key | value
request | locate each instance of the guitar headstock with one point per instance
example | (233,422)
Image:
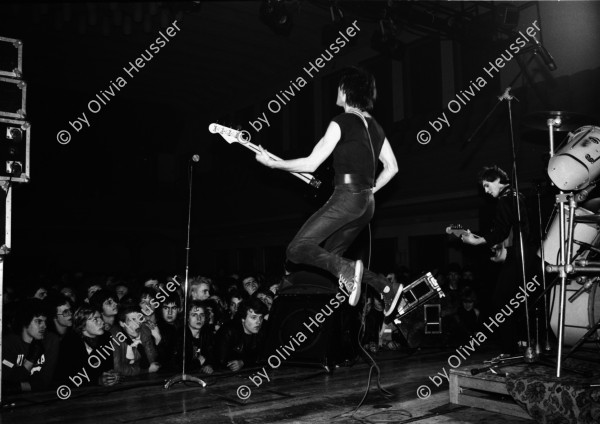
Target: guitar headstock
(229,134)
(456,230)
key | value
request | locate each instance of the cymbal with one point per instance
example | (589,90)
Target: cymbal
(569,121)
(588,219)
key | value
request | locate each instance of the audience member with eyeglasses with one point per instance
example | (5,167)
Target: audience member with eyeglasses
(60,314)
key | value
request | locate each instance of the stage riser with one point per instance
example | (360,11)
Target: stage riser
(486,391)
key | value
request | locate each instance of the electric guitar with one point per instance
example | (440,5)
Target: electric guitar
(243,137)
(498,250)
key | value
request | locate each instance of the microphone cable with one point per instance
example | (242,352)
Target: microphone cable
(374,366)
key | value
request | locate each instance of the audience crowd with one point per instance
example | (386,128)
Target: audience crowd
(100,332)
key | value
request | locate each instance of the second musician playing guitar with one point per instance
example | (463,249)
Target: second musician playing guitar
(496,183)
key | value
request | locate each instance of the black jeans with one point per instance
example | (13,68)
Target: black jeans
(335,226)
(510,279)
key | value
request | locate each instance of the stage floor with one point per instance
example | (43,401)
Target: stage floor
(292,395)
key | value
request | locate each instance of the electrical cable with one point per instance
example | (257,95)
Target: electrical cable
(385,393)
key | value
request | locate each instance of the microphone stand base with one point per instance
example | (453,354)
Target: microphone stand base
(183,378)
(530,355)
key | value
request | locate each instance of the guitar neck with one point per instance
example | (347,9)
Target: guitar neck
(241,139)
(304,176)
(458,232)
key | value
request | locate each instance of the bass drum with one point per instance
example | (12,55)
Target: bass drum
(586,233)
(580,315)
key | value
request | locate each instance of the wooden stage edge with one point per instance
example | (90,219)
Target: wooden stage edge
(291,394)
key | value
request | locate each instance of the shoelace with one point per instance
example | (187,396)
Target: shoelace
(345,282)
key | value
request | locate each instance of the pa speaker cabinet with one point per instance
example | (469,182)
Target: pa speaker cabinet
(11,57)
(15,144)
(305,329)
(13,93)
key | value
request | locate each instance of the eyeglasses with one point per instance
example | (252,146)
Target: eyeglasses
(66,313)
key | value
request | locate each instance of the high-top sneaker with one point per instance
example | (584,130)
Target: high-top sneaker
(350,277)
(391,297)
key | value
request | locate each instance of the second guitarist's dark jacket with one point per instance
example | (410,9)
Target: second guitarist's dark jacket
(505,222)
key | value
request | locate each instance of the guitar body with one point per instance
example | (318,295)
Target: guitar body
(498,250)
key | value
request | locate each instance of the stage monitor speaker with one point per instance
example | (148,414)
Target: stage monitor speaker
(423,326)
(298,335)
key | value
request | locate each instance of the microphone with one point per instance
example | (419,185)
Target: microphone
(195,158)
(506,95)
(546,57)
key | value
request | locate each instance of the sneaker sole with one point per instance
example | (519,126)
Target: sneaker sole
(358,274)
(395,302)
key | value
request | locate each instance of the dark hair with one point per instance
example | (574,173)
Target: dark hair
(125,309)
(35,287)
(359,87)
(53,301)
(197,304)
(80,317)
(492,173)
(253,303)
(172,298)
(97,300)
(216,308)
(240,295)
(264,291)
(28,310)
(148,291)
(92,282)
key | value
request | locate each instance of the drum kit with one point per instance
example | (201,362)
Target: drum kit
(573,234)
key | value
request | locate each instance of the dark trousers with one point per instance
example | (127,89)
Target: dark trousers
(330,231)
(509,281)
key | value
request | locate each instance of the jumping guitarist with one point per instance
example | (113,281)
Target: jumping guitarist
(495,182)
(356,141)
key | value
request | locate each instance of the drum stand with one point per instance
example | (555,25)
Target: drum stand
(564,266)
(547,347)
(586,338)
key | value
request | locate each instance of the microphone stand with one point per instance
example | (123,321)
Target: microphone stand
(530,354)
(183,377)
(522,71)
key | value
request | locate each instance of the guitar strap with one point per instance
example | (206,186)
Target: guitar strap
(509,240)
(360,115)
